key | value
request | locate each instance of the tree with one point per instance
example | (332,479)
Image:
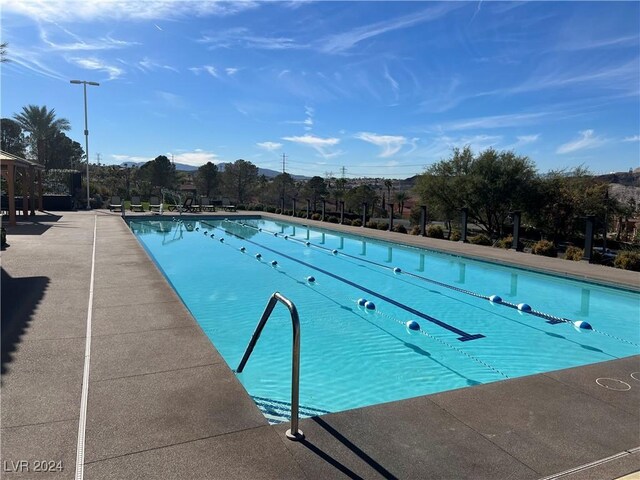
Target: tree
(389,184)
(62,152)
(3,53)
(564,199)
(238,178)
(160,172)
(401,198)
(355,197)
(13,140)
(282,186)
(315,189)
(207,178)
(490,184)
(41,124)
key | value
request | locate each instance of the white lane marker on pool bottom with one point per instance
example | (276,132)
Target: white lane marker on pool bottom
(87,357)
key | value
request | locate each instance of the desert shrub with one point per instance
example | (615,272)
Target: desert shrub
(356,223)
(316,216)
(270,209)
(505,242)
(383,226)
(372,224)
(435,231)
(333,219)
(544,248)
(415,230)
(400,229)
(302,214)
(627,260)
(573,253)
(480,239)
(346,222)
(455,236)
(278,210)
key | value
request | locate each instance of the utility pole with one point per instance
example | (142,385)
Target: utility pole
(284,160)
(98,158)
(343,171)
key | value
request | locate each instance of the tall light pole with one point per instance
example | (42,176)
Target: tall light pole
(86,129)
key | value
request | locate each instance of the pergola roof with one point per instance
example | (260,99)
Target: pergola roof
(7,158)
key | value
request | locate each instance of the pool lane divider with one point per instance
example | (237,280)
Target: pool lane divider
(551,319)
(462,335)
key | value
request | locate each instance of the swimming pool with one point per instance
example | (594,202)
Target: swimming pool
(353,356)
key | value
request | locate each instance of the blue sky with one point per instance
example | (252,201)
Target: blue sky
(380,88)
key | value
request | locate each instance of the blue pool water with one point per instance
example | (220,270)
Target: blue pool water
(352,356)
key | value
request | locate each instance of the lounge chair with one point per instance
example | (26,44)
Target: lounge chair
(187,206)
(136,204)
(227,206)
(154,204)
(115,203)
(206,205)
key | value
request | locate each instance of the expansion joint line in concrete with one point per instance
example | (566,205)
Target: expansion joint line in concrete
(82,423)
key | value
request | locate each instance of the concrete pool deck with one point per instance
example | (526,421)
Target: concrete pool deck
(162,403)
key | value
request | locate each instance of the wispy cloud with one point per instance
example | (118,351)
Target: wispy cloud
(390,144)
(92,63)
(633,138)
(269,146)
(73,10)
(242,37)
(206,68)
(32,61)
(521,141)
(171,99)
(392,81)
(103,43)
(147,65)
(321,145)
(307,122)
(230,71)
(587,140)
(341,42)
(496,121)
(586,42)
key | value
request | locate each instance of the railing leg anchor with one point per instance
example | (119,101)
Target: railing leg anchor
(294,436)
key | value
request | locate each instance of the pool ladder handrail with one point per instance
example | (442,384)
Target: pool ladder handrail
(294,433)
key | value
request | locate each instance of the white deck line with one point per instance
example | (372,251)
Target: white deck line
(82,423)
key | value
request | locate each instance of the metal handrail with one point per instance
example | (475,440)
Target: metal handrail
(294,433)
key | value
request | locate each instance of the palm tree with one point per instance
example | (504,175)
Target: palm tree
(3,52)
(41,124)
(401,197)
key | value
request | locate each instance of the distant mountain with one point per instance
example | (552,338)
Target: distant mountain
(182,167)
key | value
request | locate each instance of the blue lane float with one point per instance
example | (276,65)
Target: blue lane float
(581,325)
(362,301)
(495,299)
(222,240)
(197,229)
(311,279)
(370,305)
(274,263)
(286,237)
(397,270)
(335,252)
(524,307)
(258,256)
(413,325)
(213,235)
(243,249)
(307,243)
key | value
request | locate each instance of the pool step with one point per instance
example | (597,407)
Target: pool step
(277,411)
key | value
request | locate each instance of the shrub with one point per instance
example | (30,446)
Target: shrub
(241,207)
(628,260)
(333,219)
(455,236)
(383,226)
(356,223)
(480,239)
(372,224)
(316,216)
(544,248)
(278,210)
(573,253)
(270,209)
(506,242)
(415,230)
(400,229)
(302,214)
(346,222)
(435,231)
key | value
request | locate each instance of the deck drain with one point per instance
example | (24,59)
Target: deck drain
(635,376)
(613,384)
